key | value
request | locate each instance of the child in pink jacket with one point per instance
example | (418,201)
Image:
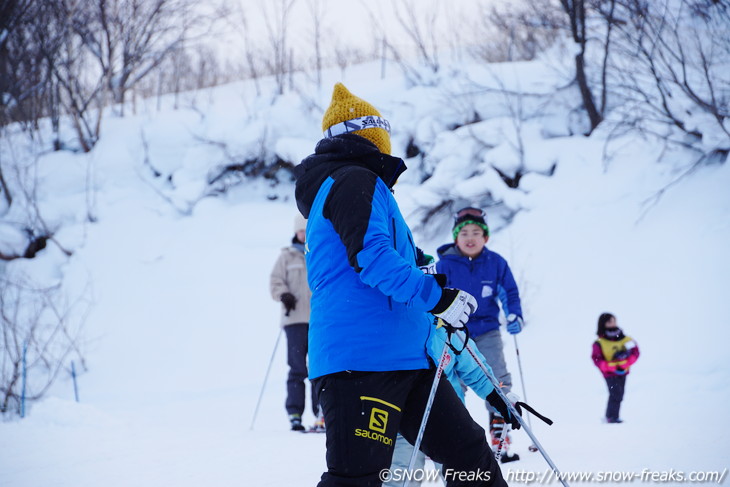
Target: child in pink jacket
(613,353)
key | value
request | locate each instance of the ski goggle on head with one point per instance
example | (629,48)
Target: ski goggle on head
(469,211)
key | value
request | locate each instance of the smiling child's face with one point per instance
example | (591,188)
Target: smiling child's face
(471,240)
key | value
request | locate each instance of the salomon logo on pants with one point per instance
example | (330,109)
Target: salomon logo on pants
(378,420)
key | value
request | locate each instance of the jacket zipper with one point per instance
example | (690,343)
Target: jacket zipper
(395,246)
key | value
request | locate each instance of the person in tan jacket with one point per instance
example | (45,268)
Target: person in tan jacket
(289,285)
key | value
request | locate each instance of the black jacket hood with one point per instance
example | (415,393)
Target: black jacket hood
(337,152)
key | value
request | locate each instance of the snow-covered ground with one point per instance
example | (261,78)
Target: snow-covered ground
(183,327)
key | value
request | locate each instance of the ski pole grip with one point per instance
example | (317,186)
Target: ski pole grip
(527,407)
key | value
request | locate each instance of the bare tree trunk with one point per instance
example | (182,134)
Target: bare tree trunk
(316,8)
(277,25)
(575,9)
(420,26)
(585,92)
(4,187)
(160,79)
(607,49)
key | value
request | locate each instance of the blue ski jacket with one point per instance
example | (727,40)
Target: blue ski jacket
(462,367)
(488,278)
(370,302)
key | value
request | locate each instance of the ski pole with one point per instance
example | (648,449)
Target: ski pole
(266,378)
(502,439)
(532,447)
(511,407)
(443,360)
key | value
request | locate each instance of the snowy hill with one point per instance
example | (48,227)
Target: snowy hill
(182,326)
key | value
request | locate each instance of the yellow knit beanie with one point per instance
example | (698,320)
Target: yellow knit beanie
(350,114)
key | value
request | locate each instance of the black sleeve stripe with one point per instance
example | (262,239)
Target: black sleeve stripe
(349,205)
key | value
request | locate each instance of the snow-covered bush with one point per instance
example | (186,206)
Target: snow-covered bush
(40,332)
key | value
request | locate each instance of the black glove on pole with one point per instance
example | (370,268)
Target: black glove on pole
(496,401)
(289,302)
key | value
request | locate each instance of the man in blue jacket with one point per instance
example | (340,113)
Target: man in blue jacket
(469,265)
(372,311)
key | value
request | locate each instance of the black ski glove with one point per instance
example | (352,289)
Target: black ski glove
(289,302)
(496,401)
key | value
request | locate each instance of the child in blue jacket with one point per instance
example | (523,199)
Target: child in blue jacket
(469,265)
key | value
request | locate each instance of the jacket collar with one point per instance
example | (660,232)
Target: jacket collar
(451,251)
(337,152)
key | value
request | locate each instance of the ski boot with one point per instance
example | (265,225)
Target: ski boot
(318,425)
(496,427)
(296,422)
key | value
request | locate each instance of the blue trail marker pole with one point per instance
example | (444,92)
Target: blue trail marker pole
(73,376)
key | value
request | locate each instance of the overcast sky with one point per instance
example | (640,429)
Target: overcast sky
(350,22)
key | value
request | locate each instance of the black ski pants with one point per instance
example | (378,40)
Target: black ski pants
(616,385)
(364,411)
(296,357)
